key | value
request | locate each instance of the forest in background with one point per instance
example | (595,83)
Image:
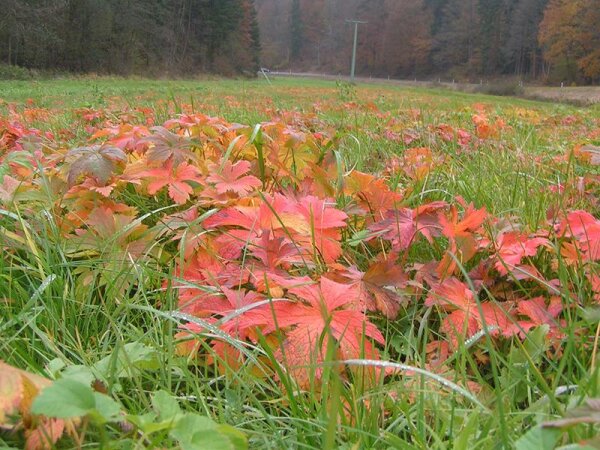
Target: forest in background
(148,37)
(463,39)
(547,40)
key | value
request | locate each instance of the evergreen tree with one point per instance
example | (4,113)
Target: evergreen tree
(494,27)
(457,43)
(521,50)
(403,38)
(131,36)
(296,28)
(255,45)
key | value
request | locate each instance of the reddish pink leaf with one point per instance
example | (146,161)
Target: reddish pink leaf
(232,178)
(513,246)
(176,180)
(323,317)
(375,287)
(450,295)
(402,226)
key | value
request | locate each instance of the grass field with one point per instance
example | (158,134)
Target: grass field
(371,267)
(574,95)
(585,95)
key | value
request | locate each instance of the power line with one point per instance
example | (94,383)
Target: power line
(356,24)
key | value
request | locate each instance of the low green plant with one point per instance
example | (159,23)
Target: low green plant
(501,88)
(10,72)
(166,423)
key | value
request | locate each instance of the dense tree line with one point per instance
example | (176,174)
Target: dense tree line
(131,36)
(558,39)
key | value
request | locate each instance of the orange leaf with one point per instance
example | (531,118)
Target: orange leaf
(513,247)
(176,180)
(323,316)
(13,391)
(375,287)
(232,178)
(18,388)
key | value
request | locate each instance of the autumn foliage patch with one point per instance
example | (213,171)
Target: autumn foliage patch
(266,240)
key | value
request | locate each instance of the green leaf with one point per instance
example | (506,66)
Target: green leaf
(592,315)
(142,421)
(106,407)
(538,438)
(359,237)
(128,360)
(67,398)
(165,405)
(199,433)
(166,416)
(148,423)
(468,431)
(537,342)
(55,366)
(194,432)
(79,373)
(237,438)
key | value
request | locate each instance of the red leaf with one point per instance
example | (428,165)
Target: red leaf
(585,229)
(471,221)
(322,317)
(274,252)
(463,324)
(580,224)
(375,287)
(373,194)
(231,178)
(512,247)
(537,311)
(8,188)
(462,247)
(125,136)
(176,180)
(497,319)
(45,435)
(311,223)
(459,325)
(168,147)
(450,295)
(402,226)
(242,326)
(594,280)
(99,162)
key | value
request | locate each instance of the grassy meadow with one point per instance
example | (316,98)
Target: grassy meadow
(350,267)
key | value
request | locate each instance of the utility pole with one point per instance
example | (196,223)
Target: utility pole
(356,24)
